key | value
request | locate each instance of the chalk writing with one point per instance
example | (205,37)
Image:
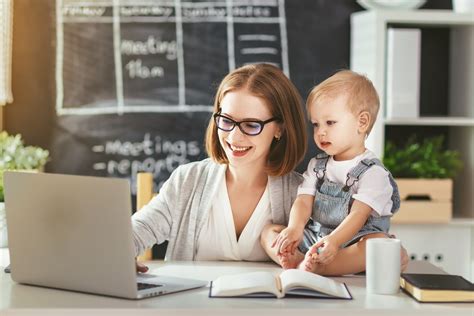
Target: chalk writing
(156,155)
(84,11)
(146,10)
(160,32)
(150,46)
(136,69)
(251,11)
(204,12)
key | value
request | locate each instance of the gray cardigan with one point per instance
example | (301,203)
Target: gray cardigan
(181,209)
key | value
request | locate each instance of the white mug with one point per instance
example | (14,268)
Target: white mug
(383,265)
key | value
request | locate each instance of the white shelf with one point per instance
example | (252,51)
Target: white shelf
(369,51)
(432,121)
(368,56)
(462,221)
(456,221)
(420,17)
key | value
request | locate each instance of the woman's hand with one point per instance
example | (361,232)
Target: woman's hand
(287,240)
(141,268)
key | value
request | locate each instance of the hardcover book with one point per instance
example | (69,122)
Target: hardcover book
(437,287)
(290,283)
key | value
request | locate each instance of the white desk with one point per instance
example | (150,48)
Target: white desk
(17,299)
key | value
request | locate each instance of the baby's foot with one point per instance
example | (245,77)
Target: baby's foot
(309,262)
(289,261)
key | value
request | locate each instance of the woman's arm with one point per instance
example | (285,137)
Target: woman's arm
(152,223)
(289,238)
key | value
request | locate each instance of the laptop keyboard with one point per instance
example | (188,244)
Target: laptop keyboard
(144,286)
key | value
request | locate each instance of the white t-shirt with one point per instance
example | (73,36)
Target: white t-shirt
(373,187)
(218,241)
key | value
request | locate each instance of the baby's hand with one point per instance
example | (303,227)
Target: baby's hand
(287,241)
(326,250)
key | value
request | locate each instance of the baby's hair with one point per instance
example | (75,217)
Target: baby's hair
(361,93)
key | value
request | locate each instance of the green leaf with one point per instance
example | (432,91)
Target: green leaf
(14,155)
(427,159)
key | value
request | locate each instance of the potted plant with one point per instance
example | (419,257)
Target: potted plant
(14,155)
(424,172)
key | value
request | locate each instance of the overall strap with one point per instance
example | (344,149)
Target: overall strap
(320,168)
(355,173)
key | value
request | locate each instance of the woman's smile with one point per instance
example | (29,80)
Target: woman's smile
(238,151)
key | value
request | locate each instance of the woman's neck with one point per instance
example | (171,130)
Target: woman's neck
(250,177)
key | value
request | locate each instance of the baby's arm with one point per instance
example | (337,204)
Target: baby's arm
(358,215)
(289,238)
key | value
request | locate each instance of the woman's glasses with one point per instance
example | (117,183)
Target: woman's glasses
(248,127)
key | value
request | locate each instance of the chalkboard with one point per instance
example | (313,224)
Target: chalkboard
(113,87)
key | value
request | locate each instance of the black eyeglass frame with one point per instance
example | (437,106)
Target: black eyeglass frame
(235,123)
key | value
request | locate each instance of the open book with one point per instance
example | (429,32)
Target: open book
(289,283)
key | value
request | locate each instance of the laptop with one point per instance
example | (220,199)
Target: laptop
(75,233)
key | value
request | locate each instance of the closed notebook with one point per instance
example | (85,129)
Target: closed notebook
(291,282)
(437,287)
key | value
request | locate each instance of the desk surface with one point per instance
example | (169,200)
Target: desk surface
(18,299)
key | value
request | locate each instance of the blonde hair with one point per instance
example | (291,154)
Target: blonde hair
(360,92)
(283,100)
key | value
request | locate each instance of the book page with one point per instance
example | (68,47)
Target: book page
(297,279)
(245,283)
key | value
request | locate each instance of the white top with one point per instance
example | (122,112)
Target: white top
(373,187)
(182,208)
(218,241)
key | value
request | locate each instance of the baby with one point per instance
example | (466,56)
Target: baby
(347,195)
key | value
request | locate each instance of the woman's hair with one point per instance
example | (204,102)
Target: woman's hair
(283,100)
(360,92)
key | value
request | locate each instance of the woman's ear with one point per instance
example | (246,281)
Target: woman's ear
(280,131)
(364,121)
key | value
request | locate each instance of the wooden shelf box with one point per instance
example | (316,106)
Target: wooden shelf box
(425,201)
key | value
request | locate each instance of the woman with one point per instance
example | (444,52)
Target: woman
(215,209)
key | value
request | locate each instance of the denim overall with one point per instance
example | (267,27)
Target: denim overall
(333,201)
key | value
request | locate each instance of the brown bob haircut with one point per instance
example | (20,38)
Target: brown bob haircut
(283,100)
(360,92)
